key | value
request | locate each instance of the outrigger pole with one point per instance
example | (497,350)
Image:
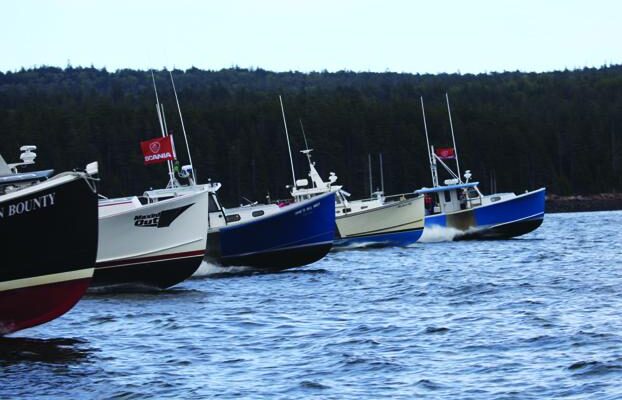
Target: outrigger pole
(183,128)
(427,141)
(371,187)
(451,125)
(160,111)
(381,173)
(302,128)
(291,161)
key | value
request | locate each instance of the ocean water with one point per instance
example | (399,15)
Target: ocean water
(530,318)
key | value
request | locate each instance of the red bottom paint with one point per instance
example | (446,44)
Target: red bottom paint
(35,305)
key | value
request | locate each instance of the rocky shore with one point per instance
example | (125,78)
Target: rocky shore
(593,202)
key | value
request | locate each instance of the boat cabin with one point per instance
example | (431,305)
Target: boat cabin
(451,197)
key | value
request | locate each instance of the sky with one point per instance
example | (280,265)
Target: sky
(432,36)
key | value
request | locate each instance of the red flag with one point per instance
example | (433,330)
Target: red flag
(445,153)
(158,150)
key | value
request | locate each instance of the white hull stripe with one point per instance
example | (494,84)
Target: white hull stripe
(131,262)
(47,279)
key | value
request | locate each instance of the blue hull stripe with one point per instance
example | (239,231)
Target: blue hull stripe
(387,239)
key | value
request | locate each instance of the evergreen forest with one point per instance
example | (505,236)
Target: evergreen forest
(515,131)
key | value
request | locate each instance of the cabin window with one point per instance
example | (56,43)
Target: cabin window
(473,193)
(495,198)
(233,218)
(447,196)
(258,213)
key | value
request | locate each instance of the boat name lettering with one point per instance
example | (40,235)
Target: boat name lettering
(147,220)
(159,156)
(26,206)
(307,209)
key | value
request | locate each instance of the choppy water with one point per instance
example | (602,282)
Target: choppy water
(530,318)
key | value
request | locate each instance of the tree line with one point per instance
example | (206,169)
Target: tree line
(514,131)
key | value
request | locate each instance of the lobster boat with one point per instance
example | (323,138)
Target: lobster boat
(48,226)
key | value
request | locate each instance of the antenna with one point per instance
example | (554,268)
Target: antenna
(183,128)
(303,134)
(381,173)
(289,148)
(427,141)
(371,187)
(160,111)
(451,125)
(155,89)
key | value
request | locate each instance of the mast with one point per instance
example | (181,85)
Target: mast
(160,112)
(451,125)
(303,134)
(371,187)
(432,161)
(381,173)
(183,128)
(289,148)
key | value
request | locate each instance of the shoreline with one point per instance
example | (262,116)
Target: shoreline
(578,203)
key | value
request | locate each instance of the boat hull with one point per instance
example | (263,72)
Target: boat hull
(44,276)
(299,234)
(397,223)
(156,245)
(34,305)
(505,219)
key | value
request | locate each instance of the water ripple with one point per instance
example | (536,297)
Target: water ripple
(531,318)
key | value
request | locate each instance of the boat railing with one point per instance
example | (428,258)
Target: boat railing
(474,202)
(401,196)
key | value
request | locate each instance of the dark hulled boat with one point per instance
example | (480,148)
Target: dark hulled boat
(48,231)
(292,236)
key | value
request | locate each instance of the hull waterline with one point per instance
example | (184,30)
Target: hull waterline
(381,240)
(30,306)
(148,272)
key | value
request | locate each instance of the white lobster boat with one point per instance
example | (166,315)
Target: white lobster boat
(378,221)
(156,240)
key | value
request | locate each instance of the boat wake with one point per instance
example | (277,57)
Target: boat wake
(211,269)
(123,288)
(437,233)
(359,246)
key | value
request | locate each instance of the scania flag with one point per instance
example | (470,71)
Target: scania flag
(158,150)
(445,153)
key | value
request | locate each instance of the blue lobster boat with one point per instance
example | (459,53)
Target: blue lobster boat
(476,216)
(272,238)
(460,206)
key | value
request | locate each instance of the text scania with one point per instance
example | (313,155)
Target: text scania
(29,205)
(160,156)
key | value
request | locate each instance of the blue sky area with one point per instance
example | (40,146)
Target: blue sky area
(391,35)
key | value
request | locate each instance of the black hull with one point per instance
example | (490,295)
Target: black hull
(160,274)
(506,231)
(270,260)
(48,243)
(58,234)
